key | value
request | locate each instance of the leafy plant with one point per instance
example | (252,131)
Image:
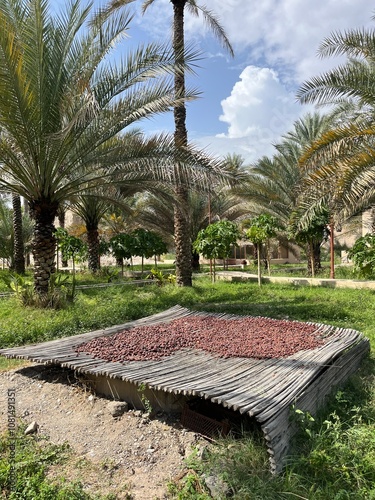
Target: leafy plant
(216,240)
(262,229)
(148,244)
(23,288)
(122,247)
(363,255)
(161,278)
(108,273)
(56,297)
(145,401)
(31,463)
(71,248)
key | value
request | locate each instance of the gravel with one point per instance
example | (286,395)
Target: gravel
(252,337)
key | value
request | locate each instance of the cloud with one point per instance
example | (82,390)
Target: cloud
(259,110)
(287,33)
(275,33)
(276,43)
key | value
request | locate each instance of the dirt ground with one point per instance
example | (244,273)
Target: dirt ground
(132,456)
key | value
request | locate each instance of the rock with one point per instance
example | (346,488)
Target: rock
(217,487)
(117,408)
(31,428)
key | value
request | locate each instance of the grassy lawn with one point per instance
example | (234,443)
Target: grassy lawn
(334,455)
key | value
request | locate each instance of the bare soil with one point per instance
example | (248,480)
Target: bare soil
(132,456)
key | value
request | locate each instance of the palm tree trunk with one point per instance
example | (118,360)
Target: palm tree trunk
(314,258)
(61,217)
(93,248)
(18,246)
(372,220)
(43,244)
(26,211)
(195,261)
(181,210)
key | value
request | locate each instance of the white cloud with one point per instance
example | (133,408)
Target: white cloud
(276,33)
(259,109)
(288,32)
(276,44)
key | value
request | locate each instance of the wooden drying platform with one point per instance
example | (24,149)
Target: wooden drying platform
(264,389)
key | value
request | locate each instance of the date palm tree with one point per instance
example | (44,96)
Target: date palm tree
(19,250)
(63,101)
(183,243)
(342,162)
(94,204)
(155,212)
(274,183)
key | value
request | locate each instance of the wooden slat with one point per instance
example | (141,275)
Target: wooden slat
(264,388)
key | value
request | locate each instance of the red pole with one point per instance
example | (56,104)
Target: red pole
(209,221)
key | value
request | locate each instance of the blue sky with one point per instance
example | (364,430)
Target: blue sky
(248,101)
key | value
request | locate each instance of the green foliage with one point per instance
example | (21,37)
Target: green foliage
(161,278)
(122,246)
(57,297)
(316,230)
(363,256)
(71,247)
(104,247)
(31,462)
(335,451)
(333,457)
(262,228)
(190,486)
(108,273)
(23,288)
(145,401)
(216,240)
(147,243)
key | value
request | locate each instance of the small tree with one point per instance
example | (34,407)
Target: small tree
(122,247)
(71,248)
(312,236)
(262,229)
(216,240)
(363,255)
(147,244)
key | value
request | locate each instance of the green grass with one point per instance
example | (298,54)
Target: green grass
(333,456)
(24,476)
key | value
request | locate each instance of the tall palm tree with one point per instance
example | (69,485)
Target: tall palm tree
(6,232)
(342,162)
(155,212)
(93,205)
(7,238)
(274,183)
(19,249)
(182,216)
(62,103)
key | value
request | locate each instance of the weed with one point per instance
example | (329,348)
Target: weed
(145,401)
(161,278)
